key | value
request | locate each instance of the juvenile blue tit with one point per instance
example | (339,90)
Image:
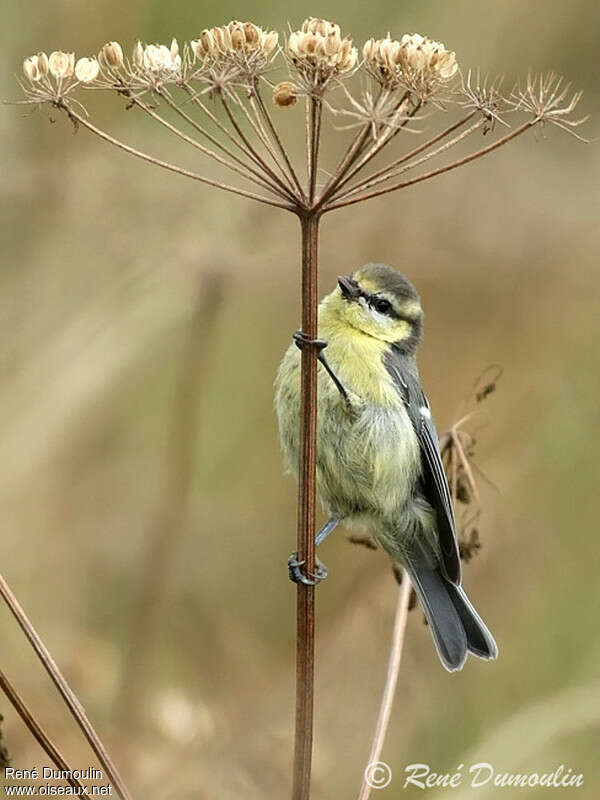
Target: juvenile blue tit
(378,457)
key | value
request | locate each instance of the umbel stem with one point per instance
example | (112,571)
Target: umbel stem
(305,640)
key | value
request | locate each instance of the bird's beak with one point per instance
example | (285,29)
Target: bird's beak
(350,288)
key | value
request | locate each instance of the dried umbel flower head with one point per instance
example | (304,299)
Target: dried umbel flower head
(318,53)
(550,101)
(241,44)
(36,67)
(111,56)
(415,62)
(87,69)
(285,94)
(51,78)
(61,65)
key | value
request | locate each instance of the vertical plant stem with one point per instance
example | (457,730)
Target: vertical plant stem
(38,732)
(65,691)
(393,670)
(305,635)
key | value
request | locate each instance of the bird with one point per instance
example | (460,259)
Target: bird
(378,460)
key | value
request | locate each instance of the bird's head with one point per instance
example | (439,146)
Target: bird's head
(380,302)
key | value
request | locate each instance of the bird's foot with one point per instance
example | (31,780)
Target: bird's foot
(312,579)
(303,340)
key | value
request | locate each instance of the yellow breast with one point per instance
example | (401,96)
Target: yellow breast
(357,360)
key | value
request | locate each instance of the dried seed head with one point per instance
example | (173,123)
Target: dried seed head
(61,65)
(36,67)
(111,56)
(158,58)
(285,94)
(415,62)
(550,101)
(235,37)
(318,53)
(87,69)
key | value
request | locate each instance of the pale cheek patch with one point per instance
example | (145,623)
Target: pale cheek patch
(402,330)
(412,309)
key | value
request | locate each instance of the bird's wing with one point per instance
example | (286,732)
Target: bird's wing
(435,484)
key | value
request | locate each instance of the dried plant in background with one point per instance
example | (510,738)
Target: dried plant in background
(4,756)
(162,545)
(38,734)
(458,450)
(68,696)
(211,94)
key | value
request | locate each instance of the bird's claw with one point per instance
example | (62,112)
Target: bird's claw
(303,340)
(312,579)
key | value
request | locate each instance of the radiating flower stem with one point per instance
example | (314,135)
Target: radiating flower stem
(392,173)
(258,178)
(280,146)
(77,118)
(252,152)
(446,168)
(197,127)
(315,116)
(377,146)
(255,120)
(366,182)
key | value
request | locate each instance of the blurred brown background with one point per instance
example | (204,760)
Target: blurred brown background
(105,263)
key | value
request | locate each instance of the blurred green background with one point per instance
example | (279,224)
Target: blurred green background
(136,408)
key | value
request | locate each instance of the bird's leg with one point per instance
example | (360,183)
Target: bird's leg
(321,572)
(302,341)
(329,526)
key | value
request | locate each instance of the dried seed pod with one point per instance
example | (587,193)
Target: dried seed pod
(87,69)
(285,94)
(111,56)
(138,54)
(61,65)
(36,67)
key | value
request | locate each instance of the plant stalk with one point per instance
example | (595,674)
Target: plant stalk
(393,670)
(305,632)
(69,698)
(38,733)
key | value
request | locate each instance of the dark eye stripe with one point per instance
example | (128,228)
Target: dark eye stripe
(383,306)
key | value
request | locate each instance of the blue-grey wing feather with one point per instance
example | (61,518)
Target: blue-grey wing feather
(435,485)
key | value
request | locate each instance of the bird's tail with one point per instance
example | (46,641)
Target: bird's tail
(455,625)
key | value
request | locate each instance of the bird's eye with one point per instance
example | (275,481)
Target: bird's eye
(382,306)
